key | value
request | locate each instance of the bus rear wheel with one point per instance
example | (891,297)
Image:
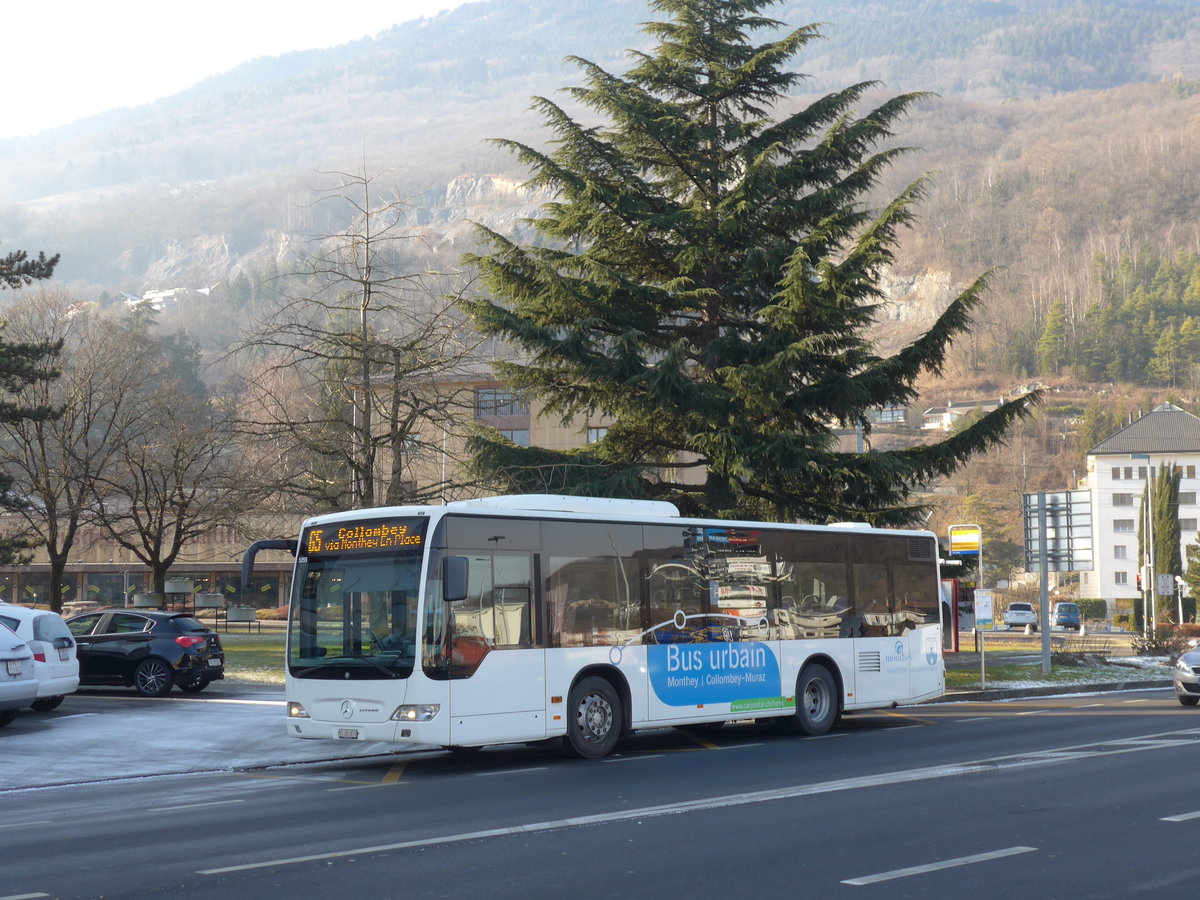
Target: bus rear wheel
(594,719)
(816,703)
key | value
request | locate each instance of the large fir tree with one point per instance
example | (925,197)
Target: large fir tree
(21,364)
(706,280)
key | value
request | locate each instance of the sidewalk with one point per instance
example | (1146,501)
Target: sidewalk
(231,727)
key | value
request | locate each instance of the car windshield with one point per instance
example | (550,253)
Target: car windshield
(354,610)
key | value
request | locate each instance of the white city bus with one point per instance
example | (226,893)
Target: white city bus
(530,618)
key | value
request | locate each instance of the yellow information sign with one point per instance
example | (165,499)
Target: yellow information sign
(965,540)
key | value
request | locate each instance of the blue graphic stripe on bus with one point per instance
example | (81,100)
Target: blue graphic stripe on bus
(687,675)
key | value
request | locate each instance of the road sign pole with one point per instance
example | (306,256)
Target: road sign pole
(1044,577)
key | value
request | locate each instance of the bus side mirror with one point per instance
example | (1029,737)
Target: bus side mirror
(454,578)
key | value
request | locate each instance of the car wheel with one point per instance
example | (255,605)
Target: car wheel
(594,719)
(7,716)
(1189,699)
(195,686)
(45,704)
(152,678)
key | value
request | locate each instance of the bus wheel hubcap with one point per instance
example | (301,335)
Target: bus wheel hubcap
(595,717)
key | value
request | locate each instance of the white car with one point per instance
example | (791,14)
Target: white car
(18,684)
(54,661)
(1018,615)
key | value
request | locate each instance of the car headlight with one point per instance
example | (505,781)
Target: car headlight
(1182,666)
(420,712)
(296,710)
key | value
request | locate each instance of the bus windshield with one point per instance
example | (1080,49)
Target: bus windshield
(354,604)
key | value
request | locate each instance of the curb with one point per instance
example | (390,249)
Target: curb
(1046,691)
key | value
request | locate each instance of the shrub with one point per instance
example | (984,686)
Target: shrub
(1093,609)
(1166,640)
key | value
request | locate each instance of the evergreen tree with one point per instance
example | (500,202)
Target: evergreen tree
(21,365)
(1167,558)
(705,282)
(1052,348)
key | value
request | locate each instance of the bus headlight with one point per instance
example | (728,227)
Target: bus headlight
(421,712)
(296,710)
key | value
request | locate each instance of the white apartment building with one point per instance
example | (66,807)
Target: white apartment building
(1118,474)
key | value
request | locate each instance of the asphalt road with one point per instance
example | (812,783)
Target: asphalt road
(1055,797)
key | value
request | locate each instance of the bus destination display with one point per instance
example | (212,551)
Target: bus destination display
(364,537)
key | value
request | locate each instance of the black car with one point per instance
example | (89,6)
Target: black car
(147,650)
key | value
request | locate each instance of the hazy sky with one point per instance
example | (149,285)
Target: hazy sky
(63,60)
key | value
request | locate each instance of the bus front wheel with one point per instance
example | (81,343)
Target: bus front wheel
(816,703)
(594,719)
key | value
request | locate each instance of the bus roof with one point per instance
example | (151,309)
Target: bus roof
(563,503)
(597,508)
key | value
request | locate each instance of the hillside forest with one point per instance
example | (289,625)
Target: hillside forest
(1061,156)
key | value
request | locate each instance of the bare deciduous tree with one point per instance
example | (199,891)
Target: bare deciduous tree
(367,371)
(55,461)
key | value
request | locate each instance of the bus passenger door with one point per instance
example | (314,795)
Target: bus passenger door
(497,683)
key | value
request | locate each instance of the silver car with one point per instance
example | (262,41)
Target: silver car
(18,683)
(1187,677)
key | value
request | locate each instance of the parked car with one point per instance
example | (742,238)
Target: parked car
(54,661)
(1187,677)
(1018,615)
(148,650)
(1066,615)
(18,684)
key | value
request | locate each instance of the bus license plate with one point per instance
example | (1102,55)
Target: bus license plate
(349,734)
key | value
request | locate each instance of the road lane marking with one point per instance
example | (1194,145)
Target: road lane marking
(968,721)
(1182,817)
(1031,712)
(937,866)
(193,805)
(907,716)
(618,759)
(1087,706)
(23,824)
(512,771)
(394,773)
(883,779)
(22,896)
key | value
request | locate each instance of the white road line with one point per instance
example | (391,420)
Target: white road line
(23,824)
(1182,817)
(1032,712)
(623,759)
(23,896)
(977,719)
(511,771)
(934,867)
(193,805)
(1087,706)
